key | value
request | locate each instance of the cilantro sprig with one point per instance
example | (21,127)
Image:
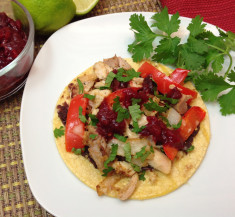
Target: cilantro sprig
(204,54)
(58,132)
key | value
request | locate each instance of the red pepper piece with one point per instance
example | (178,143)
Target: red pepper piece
(110,98)
(164,82)
(74,133)
(170,151)
(179,75)
(190,121)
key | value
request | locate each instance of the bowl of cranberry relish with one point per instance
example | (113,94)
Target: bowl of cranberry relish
(16,47)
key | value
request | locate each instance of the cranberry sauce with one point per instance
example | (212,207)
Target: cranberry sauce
(62,111)
(161,134)
(116,85)
(108,125)
(12,39)
(174,93)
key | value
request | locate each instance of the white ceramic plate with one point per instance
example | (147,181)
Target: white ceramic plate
(68,52)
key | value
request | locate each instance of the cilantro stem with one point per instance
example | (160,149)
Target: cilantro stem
(226,53)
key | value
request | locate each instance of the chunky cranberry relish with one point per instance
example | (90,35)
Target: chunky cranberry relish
(12,39)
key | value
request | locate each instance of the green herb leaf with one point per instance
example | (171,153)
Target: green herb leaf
(165,98)
(140,153)
(196,27)
(153,106)
(119,137)
(177,126)
(88,96)
(135,112)
(59,132)
(93,136)
(142,176)
(104,88)
(136,128)
(77,151)
(217,64)
(122,112)
(125,76)
(109,79)
(136,167)
(227,102)
(94,119)
(106,171)
(135,101)
(231,76)
(164,23)
(127,151)
(80,86)
(191,148)
(142,47)
(210,85)
(112,155)
(81,116)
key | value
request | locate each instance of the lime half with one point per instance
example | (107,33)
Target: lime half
(84,6)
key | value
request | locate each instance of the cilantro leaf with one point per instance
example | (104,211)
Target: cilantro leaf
(119,137)
(135,101)
(58,132)
(217,64)
(153,106)
(140,153)
(106,171)
(136,167)
(191,148)
(81,116)
(166,51)
(231,76)
(196,27)
(88,96)
(135,112)
(227,102)
(164,23)
(129,75)
(127,151)
(142,47)
(197,46)
(142,176)
(164,97)
(92,136)
(94,119)
(80,86)
(109,79)
(210,86)
(177,126)
(77,151)
(122,112)
(112,155)
(136,128)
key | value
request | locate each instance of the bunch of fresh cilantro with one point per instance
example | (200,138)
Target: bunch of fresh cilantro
(203,54)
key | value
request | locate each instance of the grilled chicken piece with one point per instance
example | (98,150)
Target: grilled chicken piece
(101,70)
(160,162)
(99,97)
(182,105)
(136,82)
(123,168)
(124,64)
(107,184)
(130,188)
(112,62)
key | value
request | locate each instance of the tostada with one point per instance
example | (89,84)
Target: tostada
(131,130)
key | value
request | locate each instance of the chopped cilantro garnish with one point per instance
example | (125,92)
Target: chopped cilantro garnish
(135,112)
(125,76)
(142,176)
(153,106)
(151,149)
(164,97)
(143,154)
(81,116)
(80,86)
(104,88)
(119,137)
(94,119)
(122,112)
(59,132)
(140,153)
(88,96)
(135,101)
(109,79)
(112,155)
(92,136)
(136,128)
(127,151)
(177,126)
(136,167)
(106,171)
(77,151)
(190,148)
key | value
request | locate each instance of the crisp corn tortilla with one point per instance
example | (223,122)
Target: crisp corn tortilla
(156,183)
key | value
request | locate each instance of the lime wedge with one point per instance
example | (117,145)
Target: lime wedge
(84,6)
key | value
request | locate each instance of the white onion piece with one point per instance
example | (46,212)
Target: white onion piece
(173,116)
